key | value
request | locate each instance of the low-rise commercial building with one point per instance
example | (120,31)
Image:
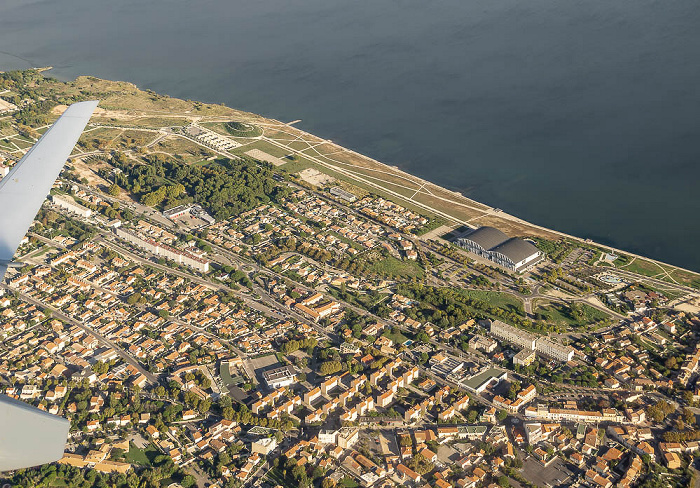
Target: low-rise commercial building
(280,377)
(479,382)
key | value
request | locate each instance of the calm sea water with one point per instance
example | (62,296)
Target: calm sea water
(583,116)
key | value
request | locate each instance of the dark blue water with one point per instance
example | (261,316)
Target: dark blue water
(582,116)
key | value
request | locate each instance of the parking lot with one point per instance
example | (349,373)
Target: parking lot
(557,474)
(262,364)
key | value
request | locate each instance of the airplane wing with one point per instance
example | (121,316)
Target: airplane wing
(29,436)
(25,187)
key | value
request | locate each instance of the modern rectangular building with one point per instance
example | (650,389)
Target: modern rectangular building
(280,377)
(513,253)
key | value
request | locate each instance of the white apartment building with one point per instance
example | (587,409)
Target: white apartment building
(159,249)
(71,205)
(574,415)
(528,341)
(554,350)
(280,377)
(512,334)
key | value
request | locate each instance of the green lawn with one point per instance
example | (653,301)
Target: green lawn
(645,268)
(649,268)
(348,482)
(297,165)
(264,146)
(225,129)
(398,338)
(397,268)
(143,457)
(561,315)
(496,299)
(43,250)
(686,278)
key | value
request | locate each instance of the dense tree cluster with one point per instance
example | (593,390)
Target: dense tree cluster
(32,114)
(447,307)
(330,367)
(165,192)
(69,476)
(295,474)
(659,411)
(294,345)
(225,188)
(420,465)
(53,224)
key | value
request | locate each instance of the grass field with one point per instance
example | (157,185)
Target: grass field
(397,268)
(497,299)
(21,143)
(158,122)
(652,269)
(183,149)
(41,251)
(645,268)
(561,315)
(264,146)
(142,457)
(297,165)
(7,146)
(398,338)
(685,278)
(224,129)
(298,145)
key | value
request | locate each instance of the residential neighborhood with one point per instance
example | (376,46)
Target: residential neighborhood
(296,335)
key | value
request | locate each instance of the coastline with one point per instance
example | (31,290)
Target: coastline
(127,101)
(463,200)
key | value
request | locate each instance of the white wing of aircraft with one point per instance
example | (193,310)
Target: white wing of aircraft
(28,436)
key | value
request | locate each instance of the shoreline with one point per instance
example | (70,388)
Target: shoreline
(449,199)
(499,213)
